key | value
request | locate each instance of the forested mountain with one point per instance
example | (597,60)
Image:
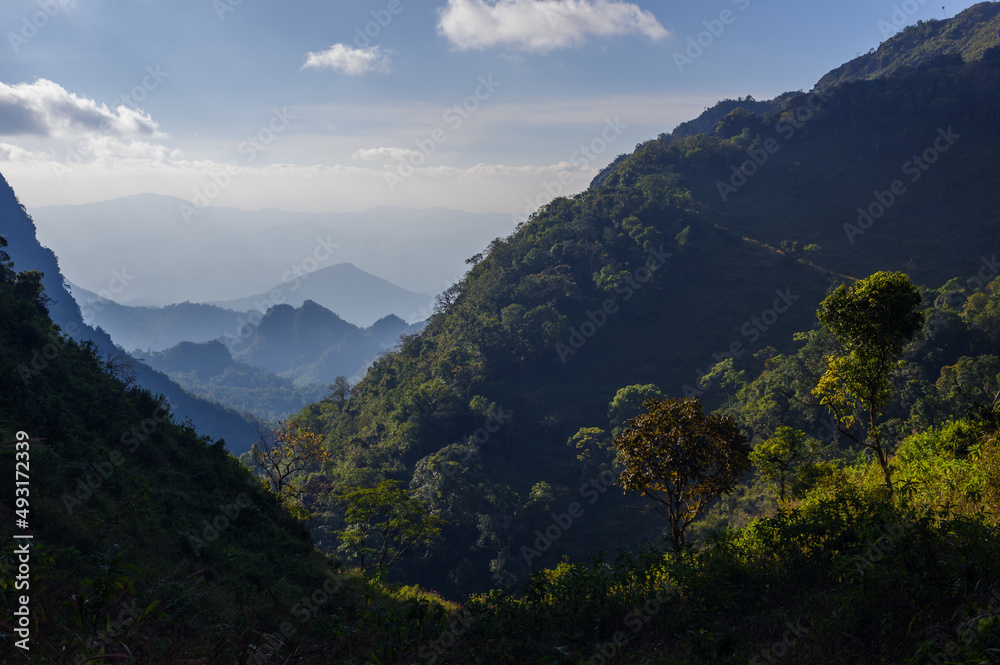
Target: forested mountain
(785,328)
(311,344)
(692,249)
(147,538)
(284,362)
(966,36)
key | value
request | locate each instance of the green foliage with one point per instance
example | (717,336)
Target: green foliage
(628,403)
(873,320)
(383,523)
(680,459)
(591,442)
(776,457)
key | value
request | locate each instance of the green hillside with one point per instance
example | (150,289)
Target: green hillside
(967,36)
(150,543)
(551,322)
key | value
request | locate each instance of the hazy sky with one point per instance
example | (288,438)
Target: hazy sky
(340,106)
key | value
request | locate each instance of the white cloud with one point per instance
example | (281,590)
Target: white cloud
(46,109)
(390,154)
(541,25)
(351,61)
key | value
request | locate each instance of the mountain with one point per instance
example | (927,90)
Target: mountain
(693,267)
(207,369)
(225,253)
(357,296)
(19,230)
(311,344)
(966,36)
(141,535)
(291,359)
(692,250)
(156,328)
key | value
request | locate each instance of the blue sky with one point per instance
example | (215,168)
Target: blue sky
(290,104)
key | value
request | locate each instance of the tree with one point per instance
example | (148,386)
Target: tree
(628,402)
(383,523)
(681,459)
(590,443)
(873,321)
(776,457)
(284,454)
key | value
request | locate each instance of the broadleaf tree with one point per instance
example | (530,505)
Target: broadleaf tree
(873,319)
(681,459)
(384,522)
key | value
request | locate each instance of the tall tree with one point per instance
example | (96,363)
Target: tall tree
(383,523)
(681,459)
(284,455)
(776,457)
(873,320)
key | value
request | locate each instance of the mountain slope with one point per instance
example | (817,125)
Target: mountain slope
(653,276)
(156,328)
(28,254)
(967,36)
(145,538)
(311,344)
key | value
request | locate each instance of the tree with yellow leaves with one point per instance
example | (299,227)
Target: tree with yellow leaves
(284,455)
(681,459)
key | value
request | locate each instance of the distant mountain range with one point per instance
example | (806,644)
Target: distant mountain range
(226,253)
(311,344)
(28,254)
(353,294)
(267,364)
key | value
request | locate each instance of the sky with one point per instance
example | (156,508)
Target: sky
(313,106)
